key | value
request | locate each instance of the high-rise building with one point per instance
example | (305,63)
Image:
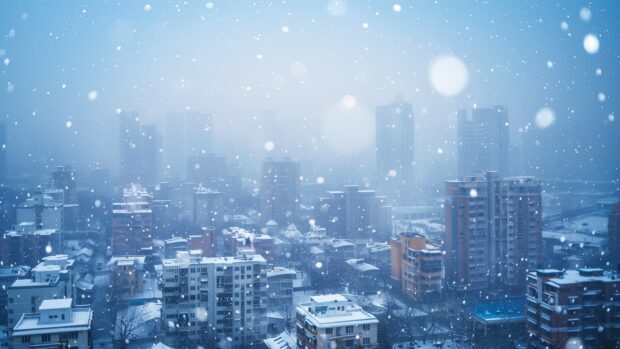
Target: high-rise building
(206,168)
(483,143)
(355,213)
(332,321)
(129,136)
(417,264)
(573,308)
(395,148)
(613,233)
(63,178)
(493,230)
(150,157)
(132,224)
(279,189)
(188,134)
(139,150)
(208,207)
(231,290)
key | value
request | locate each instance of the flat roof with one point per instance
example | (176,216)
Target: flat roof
(352,315)
(31,283)
(501,310)
(62,303)
(277,271)
(214,260)
(29,324)
(574,277)
(329,298)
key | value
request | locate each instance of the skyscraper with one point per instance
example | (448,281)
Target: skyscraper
(150,157)
(139,149)
(63,178)
(187,134)
(129,137)
(279,190)
(493,230)
(132,223)
(395,147)
(483,143)
(355,213)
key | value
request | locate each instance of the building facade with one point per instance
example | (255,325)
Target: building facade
(493,230)
(279,190)
(332,321)
(56,325)
(417,265)
(127,275)
(27,245)
(395,133)
(573,308)
(483,142)
(355,213)
(132,225)
(208,207)
(44,208)
(231,290)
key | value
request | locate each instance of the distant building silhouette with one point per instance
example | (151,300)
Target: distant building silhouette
(139,150)
(279,187)
(395,148)
(187,134)
(483,141)
(355,213)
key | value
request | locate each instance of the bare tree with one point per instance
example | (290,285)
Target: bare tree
(127,323)
(289,316)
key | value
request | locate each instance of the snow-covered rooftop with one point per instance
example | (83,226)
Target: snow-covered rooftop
(335,310)
(284,340)
(62,303)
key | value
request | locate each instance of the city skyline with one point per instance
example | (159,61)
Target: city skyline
(309,174)
(536,55)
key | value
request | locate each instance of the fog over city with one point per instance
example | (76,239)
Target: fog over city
(309,174)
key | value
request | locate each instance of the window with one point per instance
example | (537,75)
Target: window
(366,327)
(366,340)
(348,329)
(26,339)
(329,330)
(46,338)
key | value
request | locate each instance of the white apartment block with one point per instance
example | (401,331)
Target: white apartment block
(225,293)
(53,278)
(332,321)
(56,325)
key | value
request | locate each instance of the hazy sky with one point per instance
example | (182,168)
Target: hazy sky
(66,61)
